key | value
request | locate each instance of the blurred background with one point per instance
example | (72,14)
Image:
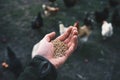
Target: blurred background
(25,22)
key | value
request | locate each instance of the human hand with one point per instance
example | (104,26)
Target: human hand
(45,47)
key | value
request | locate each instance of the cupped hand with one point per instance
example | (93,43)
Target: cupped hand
(45,47)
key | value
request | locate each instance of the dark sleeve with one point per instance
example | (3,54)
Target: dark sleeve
(39,69)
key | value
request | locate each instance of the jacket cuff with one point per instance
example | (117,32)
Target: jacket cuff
(45,69)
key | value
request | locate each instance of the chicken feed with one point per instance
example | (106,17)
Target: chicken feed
(59,48)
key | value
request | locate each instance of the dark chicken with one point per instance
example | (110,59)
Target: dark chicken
(38,22)
(116,18)
(52,0)
(70,3)
(13,63)
(114,3)
(100,16)
(89,20)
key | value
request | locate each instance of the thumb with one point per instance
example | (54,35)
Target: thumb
(50,36)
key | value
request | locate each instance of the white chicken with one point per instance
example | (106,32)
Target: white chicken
(107,29)
(84,33)
(48,10)
(62,28)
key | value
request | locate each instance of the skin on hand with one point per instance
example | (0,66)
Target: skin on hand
(45,47)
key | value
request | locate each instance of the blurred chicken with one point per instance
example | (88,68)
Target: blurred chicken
(62,28)
(85,30)
(89,19)
(38,22)
(48,10)
(100,16)
(84,33)
(116,18)
(13,63)
(114,3)
(52,0)
(70,3)
(107,29)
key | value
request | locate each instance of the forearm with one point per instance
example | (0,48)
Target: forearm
(39,69)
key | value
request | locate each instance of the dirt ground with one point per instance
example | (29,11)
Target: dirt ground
(96,59)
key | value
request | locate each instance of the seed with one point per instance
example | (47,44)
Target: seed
(59,48)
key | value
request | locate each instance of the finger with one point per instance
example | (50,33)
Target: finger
(72,46)
(76,25)
(50,36)
(68,39)
(74,32)
(65,35)
(75,41)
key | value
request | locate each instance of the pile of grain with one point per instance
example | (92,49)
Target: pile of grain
(59,48)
